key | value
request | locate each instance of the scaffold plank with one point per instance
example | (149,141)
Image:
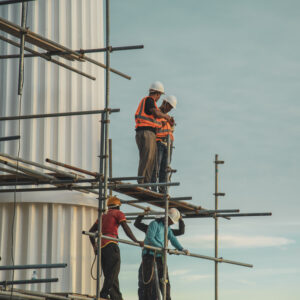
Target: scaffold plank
(38,40)
(146,195)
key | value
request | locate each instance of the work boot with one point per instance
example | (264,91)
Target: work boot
(104,296)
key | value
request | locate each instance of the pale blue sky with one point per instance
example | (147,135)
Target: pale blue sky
(235,68)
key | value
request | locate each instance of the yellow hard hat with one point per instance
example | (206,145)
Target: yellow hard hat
(113,201)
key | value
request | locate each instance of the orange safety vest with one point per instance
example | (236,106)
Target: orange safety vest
(142,119)
(164,131)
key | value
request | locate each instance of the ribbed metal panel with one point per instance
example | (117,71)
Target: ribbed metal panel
(48,225)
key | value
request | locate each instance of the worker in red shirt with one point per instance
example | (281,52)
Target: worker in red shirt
(110,252)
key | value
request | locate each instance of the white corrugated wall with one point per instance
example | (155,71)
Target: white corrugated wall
(48,225)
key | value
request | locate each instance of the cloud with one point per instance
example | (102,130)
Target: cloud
(189,276)
(236,241)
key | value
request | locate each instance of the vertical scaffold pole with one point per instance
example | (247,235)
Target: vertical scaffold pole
(100,206)
(110,163)
(22,46)
(217,162)
(105,124)
(166,199)
(216,227)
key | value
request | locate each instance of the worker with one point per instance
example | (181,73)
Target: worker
(146,119)
(110,252)
(144,227)
(159,171)
(155,237)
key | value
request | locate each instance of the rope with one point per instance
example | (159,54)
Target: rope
(152,272)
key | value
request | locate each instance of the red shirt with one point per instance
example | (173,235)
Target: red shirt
(110,225)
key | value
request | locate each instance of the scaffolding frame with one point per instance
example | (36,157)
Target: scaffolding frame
(102,181)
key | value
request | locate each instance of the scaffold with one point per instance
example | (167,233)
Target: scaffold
(20,174)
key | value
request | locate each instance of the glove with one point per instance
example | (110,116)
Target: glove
(186,251)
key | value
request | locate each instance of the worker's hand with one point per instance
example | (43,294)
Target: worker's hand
(163,123)
(186,251)
(141,243)
(171,121)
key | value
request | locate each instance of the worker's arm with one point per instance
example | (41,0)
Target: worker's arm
(129,233)
(160,115)
(94,228)
(174,240)
(139,225)
(181,229)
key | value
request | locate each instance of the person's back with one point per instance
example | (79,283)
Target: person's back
(110,224)
(110,252)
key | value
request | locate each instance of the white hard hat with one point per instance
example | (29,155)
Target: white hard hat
(174,215)
(172,100)
(157,86)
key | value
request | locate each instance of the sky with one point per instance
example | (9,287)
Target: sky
(235,68)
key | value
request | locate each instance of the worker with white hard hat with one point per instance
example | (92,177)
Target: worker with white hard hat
(155,236)
(159,171)
(146,119)
(138,223)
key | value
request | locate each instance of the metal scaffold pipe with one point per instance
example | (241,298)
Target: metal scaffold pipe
(3,38)
(104,144)
(22,46)
(9,138)
(171,251)
(81,51)
(37,266)
(65,114)
(166,199)
(31,281)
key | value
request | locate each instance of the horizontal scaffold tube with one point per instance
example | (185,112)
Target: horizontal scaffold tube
(63,114)
(37,266)
(204,212)
(170,251)
(15,282)
(9,138)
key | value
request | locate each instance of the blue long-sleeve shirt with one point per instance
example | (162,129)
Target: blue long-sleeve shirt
(155,237)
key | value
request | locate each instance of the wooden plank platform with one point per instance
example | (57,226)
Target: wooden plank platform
(146,195)
(38,40)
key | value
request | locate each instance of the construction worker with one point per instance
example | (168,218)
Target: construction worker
(155,237)
(144,227)
(110,252)
(146,119)
(159,171)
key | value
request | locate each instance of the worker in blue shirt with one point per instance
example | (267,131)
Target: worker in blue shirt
(155,237)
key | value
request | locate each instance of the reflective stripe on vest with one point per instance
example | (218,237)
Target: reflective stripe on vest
(142,119)
(164,131)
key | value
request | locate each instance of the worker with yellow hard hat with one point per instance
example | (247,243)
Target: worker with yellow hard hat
(110,252)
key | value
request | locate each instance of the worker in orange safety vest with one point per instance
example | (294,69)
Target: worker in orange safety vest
(159,171)
(147,124)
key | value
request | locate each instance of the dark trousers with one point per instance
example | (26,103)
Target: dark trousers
(160,166)
(111,261)
(146,142)
(141,286)
(149,277)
